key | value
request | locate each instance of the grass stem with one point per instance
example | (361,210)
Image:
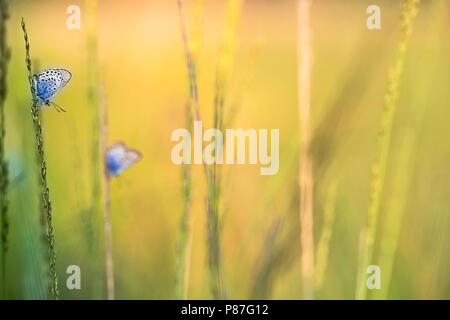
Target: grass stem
(323,246)
(409,12)
(306,180)
(4,58)
(110,291)
(185,233)
(183,236)
(45,204)
(93,99)
(213,241)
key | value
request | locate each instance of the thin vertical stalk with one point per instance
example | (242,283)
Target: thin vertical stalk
(108,242)
(409,12)
(267,261)
(107,205)
(212,219)
(4,58)
(192,73)
(45,204)
(323,247)
(94,218)
(393,222)
(214,178)
(306,179)
(236,102)
(402,177)
(182,243)
(93,99)
(224,66)
(214,246)
(185,233)
(212,175)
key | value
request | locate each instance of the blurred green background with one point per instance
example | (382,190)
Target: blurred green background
(141,68)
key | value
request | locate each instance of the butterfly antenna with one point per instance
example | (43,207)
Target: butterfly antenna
(58,108)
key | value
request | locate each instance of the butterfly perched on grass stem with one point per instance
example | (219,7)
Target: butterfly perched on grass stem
(48,83)
(119,157)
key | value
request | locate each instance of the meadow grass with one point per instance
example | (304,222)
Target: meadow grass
(109,254)
(273,227)
(280,249)
(213,175)
(4,58)
(96,176)
(236,102)
(409,12)
(183,253)
(267,261)
(404,172)
(323,246)
(27,235)
(93,101)
(306,180)
(185,232)
(323,149)
(191,108)
(213,238)
(44,198)
(393,220)
(191,68)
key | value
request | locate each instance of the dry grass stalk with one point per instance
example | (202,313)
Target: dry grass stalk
(306,179)
(110,291)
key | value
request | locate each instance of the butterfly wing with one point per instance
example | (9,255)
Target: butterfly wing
(131,157)
(50,82)
(114,158)
(119,158)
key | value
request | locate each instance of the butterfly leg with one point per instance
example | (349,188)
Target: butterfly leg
(61,109)
(58,108)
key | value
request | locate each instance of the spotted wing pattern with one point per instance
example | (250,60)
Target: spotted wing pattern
(48,83)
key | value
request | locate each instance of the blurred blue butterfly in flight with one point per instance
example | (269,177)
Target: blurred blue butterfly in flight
(48,83)
(119,158)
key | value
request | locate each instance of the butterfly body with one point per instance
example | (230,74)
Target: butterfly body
(119,157)
(48,83)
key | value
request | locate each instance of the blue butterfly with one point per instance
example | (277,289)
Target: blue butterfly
(119,158)
(48,83)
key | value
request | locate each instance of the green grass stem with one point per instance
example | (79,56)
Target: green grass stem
(409,12)
(4,58)
(44,198)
